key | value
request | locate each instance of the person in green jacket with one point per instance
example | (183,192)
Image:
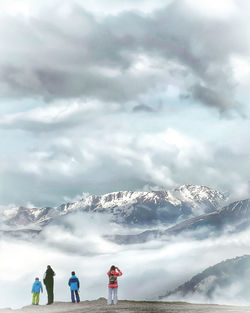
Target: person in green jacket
(49,283)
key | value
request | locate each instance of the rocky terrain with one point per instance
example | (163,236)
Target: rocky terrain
(100,306)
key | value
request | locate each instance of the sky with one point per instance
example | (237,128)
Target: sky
(122,95)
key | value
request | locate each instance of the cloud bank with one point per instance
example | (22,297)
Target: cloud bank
(70,53)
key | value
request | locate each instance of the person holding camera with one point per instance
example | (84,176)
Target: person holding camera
(113,273)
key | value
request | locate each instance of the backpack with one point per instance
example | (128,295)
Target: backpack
(112,279)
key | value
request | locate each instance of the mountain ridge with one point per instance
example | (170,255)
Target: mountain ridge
(217,278)
(128,207)
(236,215)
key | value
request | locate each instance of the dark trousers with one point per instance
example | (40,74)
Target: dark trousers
(73,293)
(50,294)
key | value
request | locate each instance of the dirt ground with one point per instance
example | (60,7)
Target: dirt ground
(100,306)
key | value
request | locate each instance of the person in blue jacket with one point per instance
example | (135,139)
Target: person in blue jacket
(74,287)
(36,288)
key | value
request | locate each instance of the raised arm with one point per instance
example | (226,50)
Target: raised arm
(119,272)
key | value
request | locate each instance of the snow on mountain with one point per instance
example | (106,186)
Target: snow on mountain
(200,198)
(194,195)
(234,217)
(140,207)
(22,216)
(130,207)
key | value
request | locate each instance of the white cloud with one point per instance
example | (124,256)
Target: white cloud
(241,69)
(221,9)
(30,8)
(84,195)
(64,113)
(91,149)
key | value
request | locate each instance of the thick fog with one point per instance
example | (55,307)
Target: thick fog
(77,243)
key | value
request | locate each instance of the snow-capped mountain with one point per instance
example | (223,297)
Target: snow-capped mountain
(229,278)
(21,216)
(130,207)
(234,217)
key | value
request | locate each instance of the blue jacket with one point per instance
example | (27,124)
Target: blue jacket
(74,283)
(37,286)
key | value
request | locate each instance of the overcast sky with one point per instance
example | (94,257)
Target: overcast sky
(122,95)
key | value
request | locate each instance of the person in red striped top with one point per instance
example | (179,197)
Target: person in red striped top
(113,273)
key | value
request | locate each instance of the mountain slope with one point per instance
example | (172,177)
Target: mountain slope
(230,275)
(234,217)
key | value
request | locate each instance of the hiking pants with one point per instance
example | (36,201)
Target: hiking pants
(73,293)
(35,298)
(112,294)
(50,293)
